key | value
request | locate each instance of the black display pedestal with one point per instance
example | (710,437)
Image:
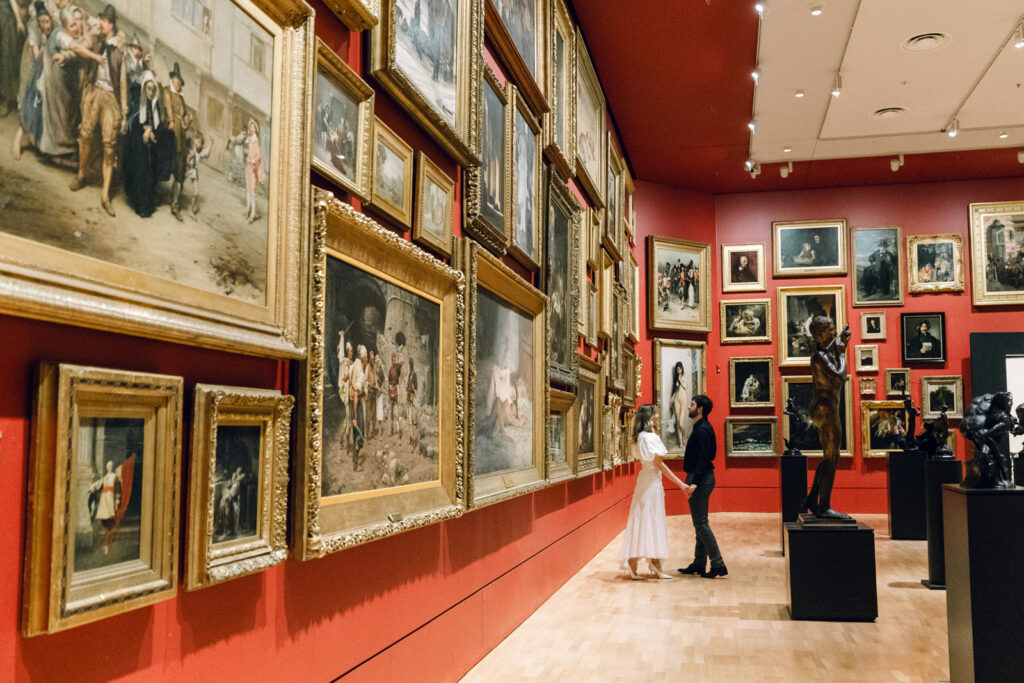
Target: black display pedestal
(1018,471)
(830,572)
(937,471)
(906,496)
(793,471)
(984,554)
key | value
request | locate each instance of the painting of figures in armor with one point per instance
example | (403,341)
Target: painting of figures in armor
(108,491)
(139,134)
(381,377)
(236,482)
(677,290)
(504,386)
(426,34)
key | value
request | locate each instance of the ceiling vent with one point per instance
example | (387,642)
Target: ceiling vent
(925,42)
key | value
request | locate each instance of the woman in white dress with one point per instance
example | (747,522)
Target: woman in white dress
(645,530)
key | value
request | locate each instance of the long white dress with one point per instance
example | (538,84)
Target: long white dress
(645,530)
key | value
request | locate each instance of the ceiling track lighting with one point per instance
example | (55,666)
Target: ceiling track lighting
(1020,157)
(1003,135)
(953,128)
(784,171)
(816,10)
(1018,36)
(749,165)
(755,75)
(755,171)
(896,163)
(759,7)
(837,85)
(752,125)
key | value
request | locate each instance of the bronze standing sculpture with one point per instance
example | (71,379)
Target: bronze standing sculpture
(792,411)
(828,374)
(986,420)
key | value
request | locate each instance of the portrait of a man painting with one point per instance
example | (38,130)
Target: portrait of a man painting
(381,419)
(878,267)
(237,482)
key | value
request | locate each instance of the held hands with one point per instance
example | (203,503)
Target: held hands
(688,490)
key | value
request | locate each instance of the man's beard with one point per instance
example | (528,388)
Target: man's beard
(693,412)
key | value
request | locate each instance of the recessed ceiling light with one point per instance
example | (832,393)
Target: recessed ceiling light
(1003,135)
(799,93)
(816,10)
(923,42)
(787,150)
(888,112)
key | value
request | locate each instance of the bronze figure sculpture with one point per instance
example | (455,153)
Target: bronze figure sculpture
(986,420)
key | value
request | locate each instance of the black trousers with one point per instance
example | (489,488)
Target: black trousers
(706,545)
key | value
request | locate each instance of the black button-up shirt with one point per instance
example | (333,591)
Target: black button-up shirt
(700,448)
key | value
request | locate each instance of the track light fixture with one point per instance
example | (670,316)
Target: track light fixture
(755,75)
(896,163)
(953,128)
(1018,36)
(752,125)
(1020,157)
(749,165)
(784,171)
(755,171)
(759,7)
(837,85)
(816,10)
(1003,135)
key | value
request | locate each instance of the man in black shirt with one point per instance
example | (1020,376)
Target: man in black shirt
(700,471)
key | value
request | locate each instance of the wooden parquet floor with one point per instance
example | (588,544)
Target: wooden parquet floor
(600,626)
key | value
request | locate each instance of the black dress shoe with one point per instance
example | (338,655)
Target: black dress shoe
(692,568)
(715,571)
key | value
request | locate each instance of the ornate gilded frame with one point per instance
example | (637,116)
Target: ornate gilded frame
(900,266)
(560,121)
(56,596)
(866,408)
(345,79)
(701,250)
(723,325)
(613,237)
(632,285)
(562,403)
(590,461)
(770,402)
(629,373)
(847,450)
(427,170)
(659,344)
(779,270)
(730,443)
(47,283)
(611,432)
(324,525)
(786,359)
(629,454)
(520,109)
(614,348)
(382,135)
(980,215)
(357,15)
(484,270)
(762,277)
(533,88)
(214,406)
(591,179)
(460,138)
(495,237)
(595,226)
(560,198)
(955,383)
(914,284)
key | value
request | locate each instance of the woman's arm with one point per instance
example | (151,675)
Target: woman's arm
(660,464)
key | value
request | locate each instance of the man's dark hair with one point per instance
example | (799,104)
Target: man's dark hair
(925,323)
(704,403)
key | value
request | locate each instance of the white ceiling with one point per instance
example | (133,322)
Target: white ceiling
(976,72)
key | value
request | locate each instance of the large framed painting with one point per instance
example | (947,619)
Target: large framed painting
(238,492)
(357,15)
(942,393)
(193,233)
(804,248)
(897,381)
(560,121)
(752,382)
(429,59)
(797,307)
(882,425)
(561,441)
(752,437)
(507,387)
(435,206)
(923,337)
(877,267)
(679,375)
(379,394)
(799,429)
(745,321)
(104,495)
(561,273)
(392,175)
(743,268)
(678,273)
(518,30)
(590,126)
(342,122)
(488,198)
(613,238)
(935,263)
(526,240)
(997,260)
(631,281)
(589,399)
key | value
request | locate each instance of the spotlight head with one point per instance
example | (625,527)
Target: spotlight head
(755,75)
(894,164)
(837,85)
(1003,135)
(759,7)
(816,10)
(953,128)
(1018,38)
(752,125)
(749,165)
(799,94)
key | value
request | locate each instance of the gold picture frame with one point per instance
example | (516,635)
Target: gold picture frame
(583,312)
(494,474)
(629,216)
(487,200)
(752,382)
(745,321)
(529,72)
(740,276)
(330,145)
(357,15)
(633,268)
(81,563)
(801,388)
(590,398)
(865,358)
(743,439)
(238,488)
(935,263)
(593,315)
(595,228)
(992,228)
(674,406)
(809,248)
(427,229)
(932,402)
(629,393)
(693,311)
(525,221)
(349,250)
(561,437)
(242,295)
(876,262)
(796,306)
(449,108)
(388,149)
(897,382)
(629,454)
(606,283)
(590,126)
(614,347)
(611,436)
(879,426)
(613,237)
(560,121)
(562,229)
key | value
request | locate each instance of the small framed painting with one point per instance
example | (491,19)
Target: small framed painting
(561,461)
(803,248)
(877,270)
(752,382)
(743,268)
(882,424)
(866,357)
(872,325)
(942,393)
(923,337)
(392,174)
(745,321)
(752,437)
(526,200)
(587,412)
(435,201)
(936,263)
(897,381)
(868,386)
(488,187)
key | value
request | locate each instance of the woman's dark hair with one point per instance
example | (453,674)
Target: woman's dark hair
(644,415)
